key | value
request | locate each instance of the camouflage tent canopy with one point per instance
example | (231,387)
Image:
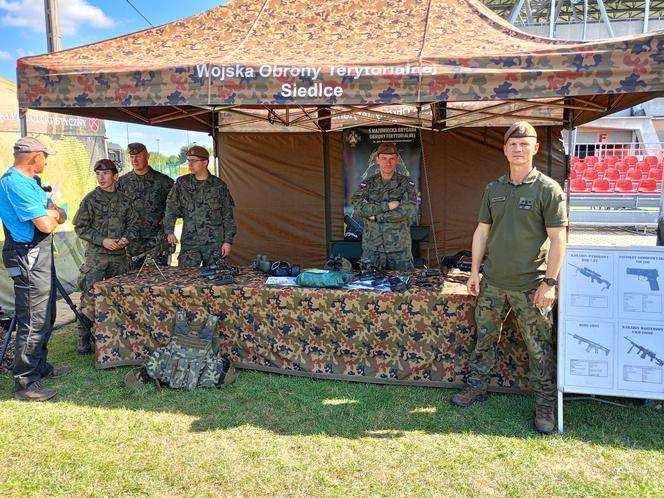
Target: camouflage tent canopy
(322,65)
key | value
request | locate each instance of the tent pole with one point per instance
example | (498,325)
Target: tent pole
(552,19)
(568,120)
(215,143)
(514,15)
(605,17)
(325,126)
(646,15)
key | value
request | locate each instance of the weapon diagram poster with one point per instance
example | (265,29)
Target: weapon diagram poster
(611,321)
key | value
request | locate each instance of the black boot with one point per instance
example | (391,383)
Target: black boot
(84,342)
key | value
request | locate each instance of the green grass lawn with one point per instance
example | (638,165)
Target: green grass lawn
(275,435)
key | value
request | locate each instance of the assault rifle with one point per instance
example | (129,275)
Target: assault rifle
(461,260)
(593,276)
(644,352)
(10,325)
(645,274)
(591,344)
(83,320)
(158,247)
(220,273)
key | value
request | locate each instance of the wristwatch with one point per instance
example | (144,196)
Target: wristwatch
(551,282)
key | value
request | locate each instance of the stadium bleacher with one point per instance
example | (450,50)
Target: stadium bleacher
(629,174)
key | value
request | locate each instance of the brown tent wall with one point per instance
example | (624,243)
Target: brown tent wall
(277,181)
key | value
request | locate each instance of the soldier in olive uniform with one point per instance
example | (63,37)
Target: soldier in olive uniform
(108,223)
(206,205)
(522,224)
(386,201)
(147,191)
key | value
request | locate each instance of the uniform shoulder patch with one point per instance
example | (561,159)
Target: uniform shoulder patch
(411,183)
(363,185)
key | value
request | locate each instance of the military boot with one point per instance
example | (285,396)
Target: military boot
(468,396)
(545,422)
(84,343)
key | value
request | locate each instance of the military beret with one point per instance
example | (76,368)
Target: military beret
(520,129)
(105,165)
(199,151)
(387,148)
(136,148)
(31,144)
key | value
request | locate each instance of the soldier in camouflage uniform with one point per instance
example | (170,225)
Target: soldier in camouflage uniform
(107,222)
(522,224)
(386,202)
(147,191)
(206,205)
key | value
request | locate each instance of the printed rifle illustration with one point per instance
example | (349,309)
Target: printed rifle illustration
(593,276)
(644,352)
(645,274)
(591,344)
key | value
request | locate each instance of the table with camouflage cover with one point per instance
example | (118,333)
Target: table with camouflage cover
(422,336)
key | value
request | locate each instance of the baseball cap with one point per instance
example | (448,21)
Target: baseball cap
(198,151)
(105,165)
(31,144)
(387,148)
(135,148)
(520,129)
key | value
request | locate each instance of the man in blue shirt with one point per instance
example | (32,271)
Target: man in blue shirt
(29,219)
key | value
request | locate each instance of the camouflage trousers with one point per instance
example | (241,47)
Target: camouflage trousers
(535,329)
(206,255)
(399,261)
(98,267)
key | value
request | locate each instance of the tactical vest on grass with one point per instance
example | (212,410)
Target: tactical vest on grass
(192,358)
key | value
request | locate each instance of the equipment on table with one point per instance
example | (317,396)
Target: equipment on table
(337,263)
(398,285)
(320,279)
(261,263)
(220,273)
(284,269)
(158,248)
(461,260)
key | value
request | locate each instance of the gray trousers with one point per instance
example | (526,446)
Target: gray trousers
(32,269)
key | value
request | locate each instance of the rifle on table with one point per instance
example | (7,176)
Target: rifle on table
(220,273)
(591,344)
(157,247)
(644,352)
(593,276)
(645,274)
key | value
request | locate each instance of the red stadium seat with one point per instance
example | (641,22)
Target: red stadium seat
(612,174)
(652,160)
(579,167)
(622,167)
(631,160)
(611,160)
(591,160)
(590,175)
(655,174)
(575,159)
(624,186)
(649,186)
(601,185)
(600,167)
(578,185)
(634,174)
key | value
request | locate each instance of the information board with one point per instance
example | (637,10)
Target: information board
(611,322)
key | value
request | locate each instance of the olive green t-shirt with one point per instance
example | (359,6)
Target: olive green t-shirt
(519,216)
